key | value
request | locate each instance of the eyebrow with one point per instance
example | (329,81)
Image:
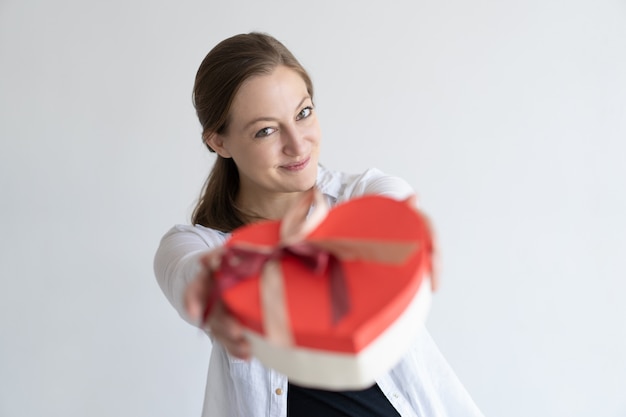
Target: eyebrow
(272,119)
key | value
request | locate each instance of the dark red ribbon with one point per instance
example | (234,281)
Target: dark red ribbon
(241,263)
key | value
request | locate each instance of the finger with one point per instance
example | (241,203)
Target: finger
(434,269)
(434,275)
(229,332)
(223,324)
(198,291)
(411,201)
(196,295)
(193,304)
(211,260)
(239,348)
(434,255)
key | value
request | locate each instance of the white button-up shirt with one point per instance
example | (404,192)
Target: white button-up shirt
(420,385)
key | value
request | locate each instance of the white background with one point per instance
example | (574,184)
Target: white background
(508,117)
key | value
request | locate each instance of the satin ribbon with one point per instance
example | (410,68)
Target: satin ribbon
(242,261)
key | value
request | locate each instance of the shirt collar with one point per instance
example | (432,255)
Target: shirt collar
(328,183)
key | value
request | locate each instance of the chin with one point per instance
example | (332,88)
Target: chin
(305,184)
(312,176)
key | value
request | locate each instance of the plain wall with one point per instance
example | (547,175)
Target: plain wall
(508,118)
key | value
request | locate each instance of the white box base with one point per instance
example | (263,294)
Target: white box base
(342,371)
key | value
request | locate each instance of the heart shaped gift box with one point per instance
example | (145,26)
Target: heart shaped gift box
(334,300)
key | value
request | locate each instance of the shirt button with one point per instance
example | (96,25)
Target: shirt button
(279,391)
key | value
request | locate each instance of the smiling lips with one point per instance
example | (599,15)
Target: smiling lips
(297,166)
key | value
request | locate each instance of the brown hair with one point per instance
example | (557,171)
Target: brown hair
(221,73)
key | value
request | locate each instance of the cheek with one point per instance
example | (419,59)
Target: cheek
(261,156)
(313,133)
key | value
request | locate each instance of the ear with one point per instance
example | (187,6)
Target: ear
(216,142)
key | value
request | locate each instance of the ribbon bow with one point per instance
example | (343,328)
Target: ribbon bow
(243,260)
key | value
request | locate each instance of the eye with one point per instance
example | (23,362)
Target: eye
(304,113)
(266,131)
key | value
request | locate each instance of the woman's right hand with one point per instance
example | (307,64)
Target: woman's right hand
(223,326)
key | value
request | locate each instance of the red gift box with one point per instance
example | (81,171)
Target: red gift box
(333,299)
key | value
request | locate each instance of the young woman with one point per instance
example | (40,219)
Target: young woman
(255,104)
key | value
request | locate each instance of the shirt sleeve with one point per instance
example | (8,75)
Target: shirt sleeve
(176,262)
(373,181)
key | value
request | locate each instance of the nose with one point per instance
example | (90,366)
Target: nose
(294,141)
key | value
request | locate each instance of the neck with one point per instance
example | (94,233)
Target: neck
(266,207)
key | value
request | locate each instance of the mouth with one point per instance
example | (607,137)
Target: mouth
(297,166)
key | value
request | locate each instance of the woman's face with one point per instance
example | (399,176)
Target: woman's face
(273,135)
